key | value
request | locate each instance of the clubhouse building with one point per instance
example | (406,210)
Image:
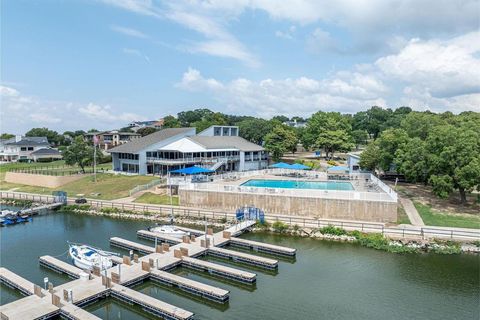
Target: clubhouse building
(218,148)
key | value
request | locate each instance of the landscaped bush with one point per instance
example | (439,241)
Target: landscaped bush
(17,202)
(265,225)
(331,163)
(333,230)
(279,227)
(74,207)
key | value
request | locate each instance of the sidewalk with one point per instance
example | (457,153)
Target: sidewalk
(412,213)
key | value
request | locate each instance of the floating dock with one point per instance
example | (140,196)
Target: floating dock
(195,287)
(130,245)
(263,247)
(222,271)
(35,210)
(149,304)
(244,257)
(60,266)
(86,289)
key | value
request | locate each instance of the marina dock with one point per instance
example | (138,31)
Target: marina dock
(263,247)
(169,253)
(36,210)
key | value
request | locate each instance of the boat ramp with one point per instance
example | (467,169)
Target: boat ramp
(167,253)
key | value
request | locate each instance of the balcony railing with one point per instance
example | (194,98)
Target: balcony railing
(192,160)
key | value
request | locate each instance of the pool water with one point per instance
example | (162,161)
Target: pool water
(294,184)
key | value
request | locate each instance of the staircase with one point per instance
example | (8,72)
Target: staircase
(217,165)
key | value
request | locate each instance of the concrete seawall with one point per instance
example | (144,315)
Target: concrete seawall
(365,210)
(40,180)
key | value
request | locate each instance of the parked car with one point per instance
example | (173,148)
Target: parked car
(81,200)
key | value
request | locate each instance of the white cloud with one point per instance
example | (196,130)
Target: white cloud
(442,68)
(289,34)
(129,32)
(107,114)
(300,96)
(145,7)
(433,74)
(136,53)
(19,113)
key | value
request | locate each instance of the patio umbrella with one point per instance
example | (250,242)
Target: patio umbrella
(299,166)
(280,165)
(192,170)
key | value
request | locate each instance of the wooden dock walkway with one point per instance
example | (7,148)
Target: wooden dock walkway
(195,287)
(60,266)
(263,247)
(244,258)
(35,210)
(87,288)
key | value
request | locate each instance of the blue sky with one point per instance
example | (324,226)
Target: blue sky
(80,64)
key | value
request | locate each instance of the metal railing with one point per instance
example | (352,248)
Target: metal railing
(147,186)
(192,160)
(306,193)
(306,222)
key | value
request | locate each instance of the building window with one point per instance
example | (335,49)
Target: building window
(30,148)
(355,168)
(23,148)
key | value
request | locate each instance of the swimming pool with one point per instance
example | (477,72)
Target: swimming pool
(294,184)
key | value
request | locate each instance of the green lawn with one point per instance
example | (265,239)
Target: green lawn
(152,198)
(433,218)
(402,217)
(108,186)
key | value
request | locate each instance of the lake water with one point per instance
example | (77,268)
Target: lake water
(294,184)
(326,280)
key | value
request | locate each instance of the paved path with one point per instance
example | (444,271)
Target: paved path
(411,211)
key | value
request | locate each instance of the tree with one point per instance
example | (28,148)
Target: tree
(388,143)
(125,129)
(146,131)
(171,122)
(281,119)
(5,136)
(359,137)
(369,159)
(254,129)
(454,159)
(187,118)
(419,124)
(328,130)
(79,153)
(279,141)
(412,160)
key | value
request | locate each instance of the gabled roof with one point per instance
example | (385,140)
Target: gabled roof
(46,151)
(226,142)
(30,141)
(136,145)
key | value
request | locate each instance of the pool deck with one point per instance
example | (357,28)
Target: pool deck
(358,185)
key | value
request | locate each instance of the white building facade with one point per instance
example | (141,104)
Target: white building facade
(217,148)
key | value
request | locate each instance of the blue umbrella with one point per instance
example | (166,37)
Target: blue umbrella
(192,170)
(299,166)
(281,165)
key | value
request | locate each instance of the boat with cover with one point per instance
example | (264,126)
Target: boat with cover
(169,230)
(86,257)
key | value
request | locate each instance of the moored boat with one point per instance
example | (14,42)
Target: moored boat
(169,230)
(86,257)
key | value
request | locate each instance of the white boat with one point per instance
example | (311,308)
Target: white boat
(7,213)
(169,230)
(86,257)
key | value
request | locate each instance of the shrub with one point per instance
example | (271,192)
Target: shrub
(265,225)
(333,230)
(74,207)
(279,227)
(331,163)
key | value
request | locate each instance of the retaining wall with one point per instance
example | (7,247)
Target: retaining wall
(378,211)
(40,180)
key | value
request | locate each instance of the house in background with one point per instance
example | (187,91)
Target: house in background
(27,149)
(135,125)
(353,163)
(217,148)
(110,139)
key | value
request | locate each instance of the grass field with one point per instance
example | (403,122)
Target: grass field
(152,198)
(108,186)
(402,217)
(432,217)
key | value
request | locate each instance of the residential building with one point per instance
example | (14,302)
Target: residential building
(296,124)
(353,162)
(110,139)
(26,149)
(135,125)
(218,148)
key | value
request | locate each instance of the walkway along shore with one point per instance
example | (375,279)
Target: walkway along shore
(197,216)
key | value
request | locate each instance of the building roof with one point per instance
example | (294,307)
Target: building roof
(46,151)
(30,141)
(122,133)
(226,142)
(136,145)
